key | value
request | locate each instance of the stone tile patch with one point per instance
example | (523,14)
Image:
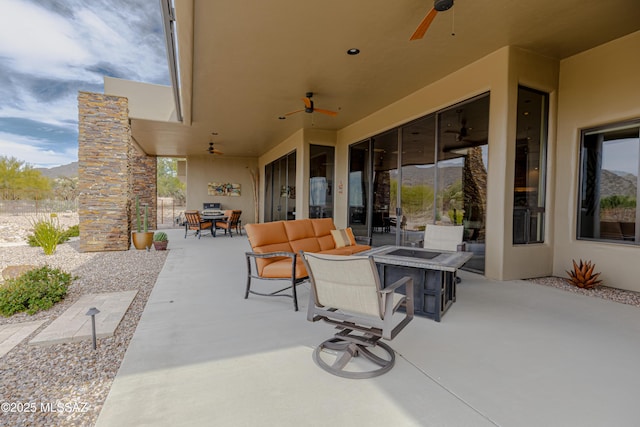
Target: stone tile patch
(11,335)
(74,325)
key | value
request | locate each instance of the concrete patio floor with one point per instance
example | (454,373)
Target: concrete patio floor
(506,354)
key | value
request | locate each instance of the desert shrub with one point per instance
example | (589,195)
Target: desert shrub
(47,234)
(35,290)
(617,201)
(73,231)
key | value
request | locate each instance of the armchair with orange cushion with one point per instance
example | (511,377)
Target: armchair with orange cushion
(276,246)
(231,222)
(193,221)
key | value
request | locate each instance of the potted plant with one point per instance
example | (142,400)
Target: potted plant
(160,241)
(142,239)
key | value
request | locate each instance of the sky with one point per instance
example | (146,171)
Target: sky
(51,49)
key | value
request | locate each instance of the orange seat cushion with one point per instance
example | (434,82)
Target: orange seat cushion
(282,269)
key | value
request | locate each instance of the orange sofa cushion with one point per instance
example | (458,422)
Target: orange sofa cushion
(322,228)
(308,235)
(301,235)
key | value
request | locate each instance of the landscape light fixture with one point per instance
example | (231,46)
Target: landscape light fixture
(92,312)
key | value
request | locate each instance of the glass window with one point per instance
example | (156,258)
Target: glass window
(280,189)
(359,187)
(530,165)
(321,165)
(610,159)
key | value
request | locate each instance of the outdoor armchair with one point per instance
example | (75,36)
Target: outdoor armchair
(231,222)
(194,222)
(346,292)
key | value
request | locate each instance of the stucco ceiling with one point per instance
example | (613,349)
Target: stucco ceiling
(251,62)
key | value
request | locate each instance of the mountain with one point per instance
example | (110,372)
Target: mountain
(622,184)
(70,171)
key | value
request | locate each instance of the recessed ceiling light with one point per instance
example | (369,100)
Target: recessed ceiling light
(353,51)
(281,118)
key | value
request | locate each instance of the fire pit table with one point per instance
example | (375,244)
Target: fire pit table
(433,272)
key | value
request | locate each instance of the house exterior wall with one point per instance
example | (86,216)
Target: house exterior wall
(498,73)
(111,172)
(540,73)
(207,168)
(592,88)
(598,86)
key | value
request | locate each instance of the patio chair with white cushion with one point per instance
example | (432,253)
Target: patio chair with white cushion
(346,292)
(443,237)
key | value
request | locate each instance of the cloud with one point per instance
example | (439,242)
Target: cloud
(59,47)
(34,152)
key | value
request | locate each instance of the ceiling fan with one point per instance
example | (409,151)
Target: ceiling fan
(461,133)
(309,107)
(438,6)
(211,149)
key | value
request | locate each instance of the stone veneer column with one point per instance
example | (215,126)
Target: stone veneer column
(143,172)
(111,172)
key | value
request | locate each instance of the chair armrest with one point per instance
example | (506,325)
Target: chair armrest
(395,285)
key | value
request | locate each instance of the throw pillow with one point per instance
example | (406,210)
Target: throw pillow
(343,237)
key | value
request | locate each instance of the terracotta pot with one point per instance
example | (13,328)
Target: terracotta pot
(142,240)
(161,246)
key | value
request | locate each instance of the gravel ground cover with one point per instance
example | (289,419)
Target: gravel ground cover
(67,384)
(605,292)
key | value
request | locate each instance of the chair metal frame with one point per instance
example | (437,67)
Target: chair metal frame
(370,329)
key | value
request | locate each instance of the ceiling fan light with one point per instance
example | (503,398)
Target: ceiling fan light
(442,5)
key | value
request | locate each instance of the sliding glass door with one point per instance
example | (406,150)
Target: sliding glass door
(429,171)
(280,189)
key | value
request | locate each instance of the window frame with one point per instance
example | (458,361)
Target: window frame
(631,123)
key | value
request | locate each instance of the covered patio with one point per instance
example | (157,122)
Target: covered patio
(507,353)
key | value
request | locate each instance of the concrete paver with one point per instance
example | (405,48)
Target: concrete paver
(11,335)
(74,324)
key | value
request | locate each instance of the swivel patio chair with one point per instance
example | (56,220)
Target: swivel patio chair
(231,222)
(346,292)
(194,222)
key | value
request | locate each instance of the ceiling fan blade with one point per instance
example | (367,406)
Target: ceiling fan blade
(307,102)
(424,25)
(214,151)
(294,112)
(327,112)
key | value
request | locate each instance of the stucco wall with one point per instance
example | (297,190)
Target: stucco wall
(207,168)
(597,87)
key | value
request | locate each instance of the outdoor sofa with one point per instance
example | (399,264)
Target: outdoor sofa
(276,245)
